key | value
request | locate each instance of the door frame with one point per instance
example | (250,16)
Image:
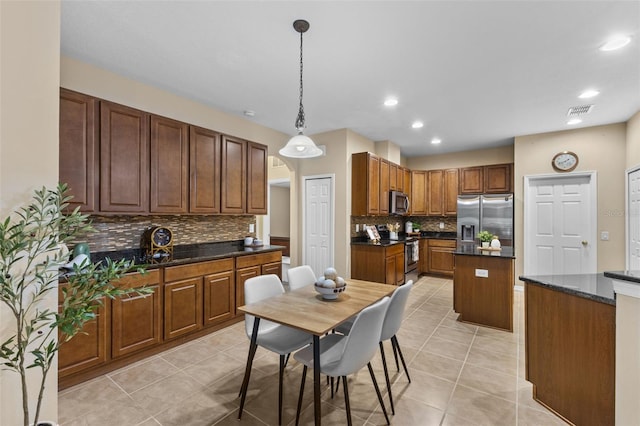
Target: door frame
(627,245)
(266,219)
(593,193)
(332,217)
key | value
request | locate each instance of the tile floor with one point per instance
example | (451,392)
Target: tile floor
(460,375)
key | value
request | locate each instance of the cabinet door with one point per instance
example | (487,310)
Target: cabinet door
(441,259)
(423,265)
(182,307)
(241,276)
(400,179)
(471,180)
(256,178)
(272,268)
(365,184)
(204,169)
(399,269)
(219,297)
(498,178)
(136,322)
(390,267)
(373,185)
(233,176)
(124,159)
(418,198)
(393,177)
(435,192)
(88,348)
(384,187)
(78,159)
(169,165)
(450,200)
(406,174)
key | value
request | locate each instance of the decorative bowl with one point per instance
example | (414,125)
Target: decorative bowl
(329,293)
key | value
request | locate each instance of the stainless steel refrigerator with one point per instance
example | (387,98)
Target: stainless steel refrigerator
(488,212)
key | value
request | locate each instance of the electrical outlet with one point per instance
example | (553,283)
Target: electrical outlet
(252,227)
(357,227)
(441,225)
(483,273)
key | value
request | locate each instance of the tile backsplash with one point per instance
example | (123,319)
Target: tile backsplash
(426,223)
(124,232)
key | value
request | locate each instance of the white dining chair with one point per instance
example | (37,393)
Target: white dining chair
(342,355)
(390,327)
(272,336)
(301,276)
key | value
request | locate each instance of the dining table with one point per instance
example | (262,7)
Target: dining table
(307,310)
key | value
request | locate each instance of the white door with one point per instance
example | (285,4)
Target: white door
(560,224)
(633,219)
(318,223)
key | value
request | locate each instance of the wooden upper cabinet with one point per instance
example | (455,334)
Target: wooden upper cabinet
(435,192)
(450,202)
(498,178)
(418,199)
(169,166)
(471,180)
(406,178)
(393,177)
(233,176)
(204,170)
(384,187)
(78,159)
(257,178)
(365,184)
(124,159)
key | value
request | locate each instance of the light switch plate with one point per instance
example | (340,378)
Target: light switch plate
(483,273)
(604,235)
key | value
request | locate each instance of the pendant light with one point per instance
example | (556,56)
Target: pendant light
(300,146)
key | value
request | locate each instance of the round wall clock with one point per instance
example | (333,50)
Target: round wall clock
(157,243)
(565,161)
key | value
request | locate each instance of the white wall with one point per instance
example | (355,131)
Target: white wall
(29,102)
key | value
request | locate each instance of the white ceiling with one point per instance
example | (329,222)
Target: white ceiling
(477,73)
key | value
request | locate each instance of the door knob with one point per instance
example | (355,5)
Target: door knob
(584,243)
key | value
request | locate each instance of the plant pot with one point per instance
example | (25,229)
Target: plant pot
(393,235)
(485,244)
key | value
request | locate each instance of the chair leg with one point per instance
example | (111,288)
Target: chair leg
(375,385)
(337,384)
(386,378)
(286,361)
(395,354)
(247,371)
(331,384)
(280,374)
(394,340)
(347,406)
(304,376)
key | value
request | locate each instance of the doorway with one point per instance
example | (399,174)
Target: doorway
(318,223)
(633,219)
(560,224)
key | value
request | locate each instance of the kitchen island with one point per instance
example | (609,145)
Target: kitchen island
(570,338)
(483,286)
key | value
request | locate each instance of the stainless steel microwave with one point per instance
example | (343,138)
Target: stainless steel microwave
(398,202)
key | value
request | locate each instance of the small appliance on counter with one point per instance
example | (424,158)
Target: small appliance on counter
(157,244)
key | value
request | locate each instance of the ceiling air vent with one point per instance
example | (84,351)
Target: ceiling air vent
(579,110)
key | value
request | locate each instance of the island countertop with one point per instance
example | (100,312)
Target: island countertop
(597,287)
(474,250)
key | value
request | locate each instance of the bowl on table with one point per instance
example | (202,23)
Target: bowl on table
(329,293)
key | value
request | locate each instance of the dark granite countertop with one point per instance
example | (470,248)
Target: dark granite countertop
(438,235)
(188,253)
(631,276)
(471,249)
(364,241)
(403,238)
(596,287)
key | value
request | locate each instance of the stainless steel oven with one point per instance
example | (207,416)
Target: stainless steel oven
(411,255)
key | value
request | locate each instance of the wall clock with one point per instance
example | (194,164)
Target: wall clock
(157,243)
(565,161)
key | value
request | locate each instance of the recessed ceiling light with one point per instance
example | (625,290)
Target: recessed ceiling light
(390,102)
(615,42)
(435,141)
(574,121)
(589,94)
(417,124)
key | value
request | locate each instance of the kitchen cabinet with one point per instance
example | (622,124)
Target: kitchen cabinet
(439,256)
(418,199)
(384,187)
(219,296)
(169,155)
(78,157)
(365,184)
(406,178)
(124,159)
(383,264)
(393,177)
(252,265)
(233,176)
(496,179)
(136,320)
(204,171)
(256,178)
(442,192)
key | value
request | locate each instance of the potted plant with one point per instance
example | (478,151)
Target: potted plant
(485,238)
(32,249)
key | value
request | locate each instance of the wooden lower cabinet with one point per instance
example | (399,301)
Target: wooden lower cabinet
(136,320)
(383,264)
(219,297)
(182,307)
(440,257)
(241,276)
(253,265)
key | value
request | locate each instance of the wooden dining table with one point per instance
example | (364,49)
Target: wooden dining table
(306,310)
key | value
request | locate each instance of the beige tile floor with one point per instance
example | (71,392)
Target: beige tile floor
(460,375)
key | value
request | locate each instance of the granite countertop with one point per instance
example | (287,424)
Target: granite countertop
(472,249)
(403,238)
(632,276)
(188,253)
(596,287)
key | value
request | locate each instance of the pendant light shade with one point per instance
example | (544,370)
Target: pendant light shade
(300,146)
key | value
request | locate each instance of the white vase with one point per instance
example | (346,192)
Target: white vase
(485,244)
(393,235)
(495,243)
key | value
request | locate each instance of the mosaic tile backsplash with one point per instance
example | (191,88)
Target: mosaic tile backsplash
(124,232)
(426,223)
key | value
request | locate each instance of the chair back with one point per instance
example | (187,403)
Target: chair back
(257,289)
(362,341)
(301,276)
(395,313)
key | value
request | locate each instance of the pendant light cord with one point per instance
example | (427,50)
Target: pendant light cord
(300,119)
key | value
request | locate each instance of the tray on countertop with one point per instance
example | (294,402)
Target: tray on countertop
(490,248)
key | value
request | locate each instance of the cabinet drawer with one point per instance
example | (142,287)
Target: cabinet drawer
(138,280)
(258,259)
(442,243)
(394,249)
(173,273)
